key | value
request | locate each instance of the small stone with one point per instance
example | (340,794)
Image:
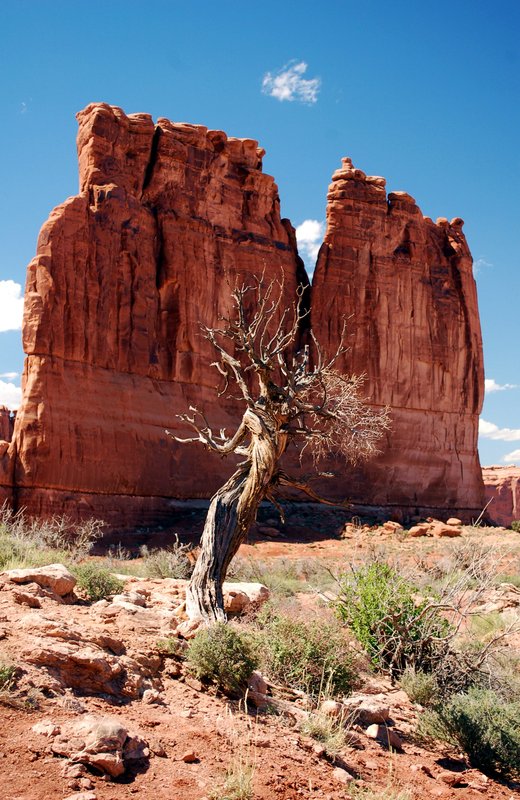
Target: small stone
(257,682)
(450,778)
(319,750)
(366,709)
(418,530)
(46,728)
(331,708)
(152,697)
(81,796)
(342,775)
(189,757)
(385,735)
(422,768)
(453,521)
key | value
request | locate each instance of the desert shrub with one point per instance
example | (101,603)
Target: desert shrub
(167,562)
(309,656)
(509,578)
(28,542)
(327,730)
(421,687)
(222,655)
(283,576)
(396,627)
(171,646)
(515,525)
(484,727)
(7,676)
(238,781)
(96,581)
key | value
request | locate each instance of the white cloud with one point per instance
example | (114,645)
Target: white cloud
(309,236)
(479,264)
(11,306)
(488,430)
(9,375)
(492,386)
(512,457)
(10,395)
(289,84)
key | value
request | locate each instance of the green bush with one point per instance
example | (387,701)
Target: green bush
(7,676)
(222,655)
(168,562)
(309,656)
(484,727)
(396,628)
(421,687)
(329,731)
(96,581)
(515,525)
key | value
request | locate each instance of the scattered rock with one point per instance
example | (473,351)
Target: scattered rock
(238,596)
(454,521)
(419,530)
(331,708)
(366,709)
(46,728)
(100,742)
(153,697)
(257,683)
(189,757)
(54,577)
(342,775)
(439,529)
(385,735)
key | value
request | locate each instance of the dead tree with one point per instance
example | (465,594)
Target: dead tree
(289,395)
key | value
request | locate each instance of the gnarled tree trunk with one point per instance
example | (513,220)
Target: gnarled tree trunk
(232,511)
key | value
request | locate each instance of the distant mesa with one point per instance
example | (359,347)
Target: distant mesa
(169,217)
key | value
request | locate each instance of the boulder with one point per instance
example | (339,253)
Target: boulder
(101,742)
(55,577)
(239,596)
(365,709)
(386,736)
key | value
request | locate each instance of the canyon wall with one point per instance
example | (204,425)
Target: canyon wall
(169,217)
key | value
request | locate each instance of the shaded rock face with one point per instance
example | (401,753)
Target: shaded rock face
(6,424)
(169,217)
(405,287)
(502,487)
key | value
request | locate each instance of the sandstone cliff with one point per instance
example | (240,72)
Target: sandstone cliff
(168,218)
(405,287)
(502,487)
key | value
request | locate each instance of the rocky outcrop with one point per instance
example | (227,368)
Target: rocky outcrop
(6,424)
(169,217)
(404,287)
(502,485)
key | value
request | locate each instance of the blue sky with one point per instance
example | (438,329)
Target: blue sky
(425,94)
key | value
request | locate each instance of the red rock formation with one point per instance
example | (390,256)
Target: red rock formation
(168,218)
(6,424)
(502,485)
(405,287)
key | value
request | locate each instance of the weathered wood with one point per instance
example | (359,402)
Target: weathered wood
(288,396)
